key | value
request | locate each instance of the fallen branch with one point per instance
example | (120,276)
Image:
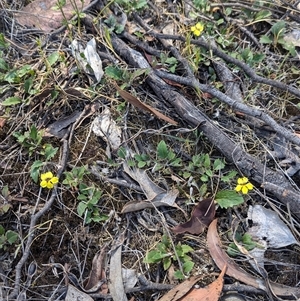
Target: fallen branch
(245,163)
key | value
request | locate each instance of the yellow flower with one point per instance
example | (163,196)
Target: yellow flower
(243,185)
(197,29)
(48,180)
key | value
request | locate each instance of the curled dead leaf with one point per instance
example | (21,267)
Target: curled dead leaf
(202,215)
(233,270)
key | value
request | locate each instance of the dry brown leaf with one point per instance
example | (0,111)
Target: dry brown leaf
(43,15)
(163,199)
(137,103)
(60,127)
(2,122)
(182,289)
(97,273)
(233,270)
(211,292)
(201,217)
(116,285)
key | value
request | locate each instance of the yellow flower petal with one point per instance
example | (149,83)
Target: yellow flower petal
(49,185)
(54,180)
(193,28)
(242,181)
(46,175)
(199,26)
(43,184)
(244,189)
(238,188)
(249,186)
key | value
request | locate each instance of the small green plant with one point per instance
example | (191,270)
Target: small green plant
(169,62)
(8,237)
(244,240)
(165,158)
(30,140)
(165,254)
(203,165)
(4,200)
(124,75)
(202,5)
(87,208)
(276,37)
(88,196)
(113,25)
(74,177)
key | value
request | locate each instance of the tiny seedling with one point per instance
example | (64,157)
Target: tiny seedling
(31,140)
(87,208)
(245,240)
(8,237)
(4,200)
(276,37)
(74,177)
(165,254)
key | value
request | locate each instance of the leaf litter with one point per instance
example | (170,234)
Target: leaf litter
(155,195)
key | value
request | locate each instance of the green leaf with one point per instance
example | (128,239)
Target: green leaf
(162,150)
(167,263)
(122,152)
(278,28)
(263,14)
(265,40)
(2,230)
(3,64)
(178,275)
(249,243)
(4,208)
(206,162)
(204,178)
(81,208)
(203,189)
(3,43)
(227,178)
(218,164)
(35,170)
(114,72)
(232,250)
(141,164)
(28,84)
(11,236)
(82,197)
(53,58)
(176,162)
(228,198)
(188,266)
(10,101)
(24,70)
(49,151)
(154,256)
(186,249)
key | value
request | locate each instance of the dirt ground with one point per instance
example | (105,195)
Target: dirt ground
(165,105)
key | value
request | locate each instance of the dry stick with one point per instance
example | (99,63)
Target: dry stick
(33,223)
(247,164)
(236,105)
(193,82)
(201,42)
